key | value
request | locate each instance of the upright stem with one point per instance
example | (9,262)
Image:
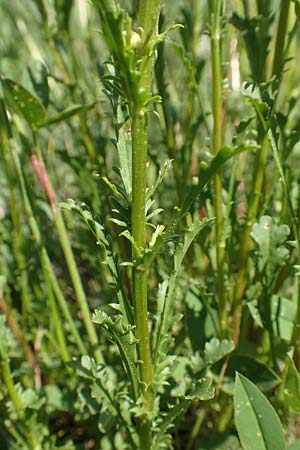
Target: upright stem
(45,261)
(258,180)
(147,19)
(216,60)
(281,36)
(241,279)
(8,381)
(45,182)
(139,159)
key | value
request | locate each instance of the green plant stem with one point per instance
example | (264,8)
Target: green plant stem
(16,234)
(147,19)
(9,382)
(140,275)
(241,279)
(139,159)
(45,261)
(196,429)
(45,182)
(281,37)
(258,180)
(216,60)
(14,326)
(56,319)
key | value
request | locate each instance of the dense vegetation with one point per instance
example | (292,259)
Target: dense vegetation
(150,206)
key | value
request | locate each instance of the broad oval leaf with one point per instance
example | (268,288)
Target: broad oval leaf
(26,104)
(257,422)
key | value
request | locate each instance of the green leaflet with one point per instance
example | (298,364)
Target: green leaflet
(215,350)
(263,103)
(206,173)
(98,231)
(201,391)
(122,335)
(124,150)
(166,307)
(32,110)
(66,114)
(105,386)
(283,314)
(270,238)
(257,423)
(28,106)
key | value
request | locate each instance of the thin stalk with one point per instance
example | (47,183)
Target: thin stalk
(9,382)
(148,20)
(139,160)
(196,429)
(16,330)
(56,319)
(15,213)
(216,61)
(45,182)
(281,36)
(241,279)
(258,180)
(45,261)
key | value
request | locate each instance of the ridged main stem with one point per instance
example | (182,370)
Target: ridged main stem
(216,61)
(147,20)
(139,159)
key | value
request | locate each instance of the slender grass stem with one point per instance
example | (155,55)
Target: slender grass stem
(8,381)
(45,182)
(242,274)
(216,61)
(17,238)
(17,331)
(45,261)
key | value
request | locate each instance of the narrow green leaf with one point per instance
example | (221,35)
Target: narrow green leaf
(257,422)
(122,335)
(166,317)
(27,105)
(65,114)
(124,150)
(99,233)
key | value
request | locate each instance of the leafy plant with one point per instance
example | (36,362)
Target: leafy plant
(149,229)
